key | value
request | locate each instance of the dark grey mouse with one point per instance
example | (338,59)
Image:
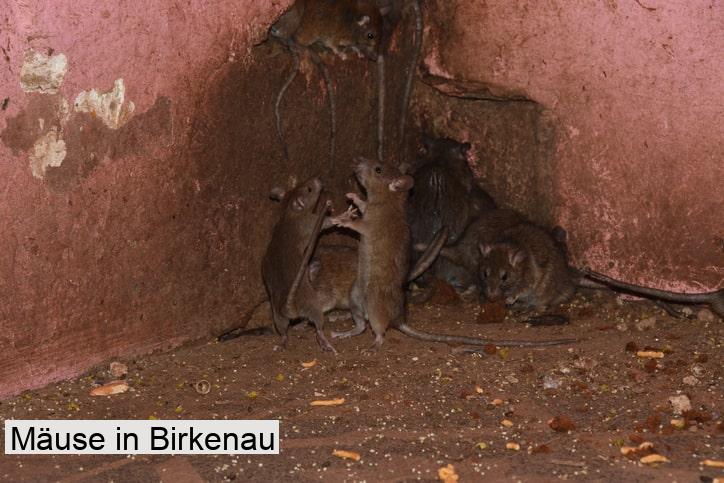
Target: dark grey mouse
(342,27)
(287,256)
(445,194)
(377,294)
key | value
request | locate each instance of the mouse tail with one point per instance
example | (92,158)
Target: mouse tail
(280,96)
(239,330)
(327,79)
(380,106)
(459,339)
(676,297)
(412,67)
(430,255)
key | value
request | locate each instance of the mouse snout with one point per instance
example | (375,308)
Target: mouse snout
(317,184)
(493,294)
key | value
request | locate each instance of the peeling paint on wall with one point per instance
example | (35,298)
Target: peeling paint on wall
(109,106)
(43,73)
(49,150)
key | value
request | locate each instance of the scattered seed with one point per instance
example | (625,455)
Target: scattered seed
(349,455)
(328,402)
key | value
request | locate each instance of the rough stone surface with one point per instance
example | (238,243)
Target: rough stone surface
(149,231)
(625,103)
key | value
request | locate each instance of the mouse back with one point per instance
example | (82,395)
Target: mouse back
(342,26)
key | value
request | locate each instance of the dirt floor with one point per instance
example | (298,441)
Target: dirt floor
(563,413)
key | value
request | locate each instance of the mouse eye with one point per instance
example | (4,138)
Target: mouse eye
(504,276)
(486,273)
(378,169)
(309,189)
(370,35)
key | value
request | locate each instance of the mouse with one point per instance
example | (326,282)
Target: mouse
(525,267)
(460,260)
(313,26)
(287,257)
(377,294)
(445,194)
(511,259)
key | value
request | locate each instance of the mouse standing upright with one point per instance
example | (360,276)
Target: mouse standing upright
(287,256)
(378,293)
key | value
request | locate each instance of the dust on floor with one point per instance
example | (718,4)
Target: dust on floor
(566,412)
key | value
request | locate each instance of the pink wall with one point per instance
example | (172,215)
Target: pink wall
(126,246)
(635,92)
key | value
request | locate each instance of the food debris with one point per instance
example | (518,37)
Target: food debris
(645,447)
(478,389)
(113,387)
(482,445)
(118,370)
(310,364)
(678,423)
(680,404)
(447,474)
(279,377)
(713,463)
(348,455)
(653,459)
(512,446)
(562,424)
(507,423)
(328,402)
(497,402)
(203,386)
(252,394)
(650,354)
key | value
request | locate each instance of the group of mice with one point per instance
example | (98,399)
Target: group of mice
(450,220)
(448,224)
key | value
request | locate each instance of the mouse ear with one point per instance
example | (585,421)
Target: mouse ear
(313,270)
(405,168)
(516,257)
(402,183)
(363,20)
(485,249)
(277,194)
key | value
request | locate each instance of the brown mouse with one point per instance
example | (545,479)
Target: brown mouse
(287,256)
(525,267)
(313,26)
(377,294)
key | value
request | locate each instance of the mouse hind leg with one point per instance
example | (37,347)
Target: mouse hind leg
(316,317)
(357,311)
(281,327)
